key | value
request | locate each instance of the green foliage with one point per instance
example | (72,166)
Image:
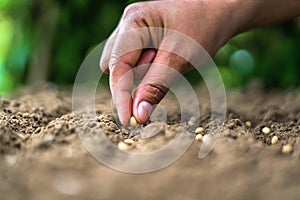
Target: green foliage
(269,54)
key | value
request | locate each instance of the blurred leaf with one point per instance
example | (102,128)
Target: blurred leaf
(6,30)
(6,81)
(230,78)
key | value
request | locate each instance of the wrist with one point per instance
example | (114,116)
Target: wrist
(253,14)
(243,15)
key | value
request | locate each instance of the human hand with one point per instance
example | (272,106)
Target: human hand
(209,23)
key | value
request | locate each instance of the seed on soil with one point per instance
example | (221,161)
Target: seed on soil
(133,122)
(199,137)
(199,130)
(128,141)
(287,149)
(274,140)
(122,146)
(248,123)
(205,138)
(266,130)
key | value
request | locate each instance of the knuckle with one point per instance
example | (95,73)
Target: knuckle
(153,92)
(134,11)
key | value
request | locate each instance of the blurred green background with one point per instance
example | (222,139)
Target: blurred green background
(47,41)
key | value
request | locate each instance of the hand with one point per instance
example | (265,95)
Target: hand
(210,23)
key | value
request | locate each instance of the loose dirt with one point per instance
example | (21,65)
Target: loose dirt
(42,157)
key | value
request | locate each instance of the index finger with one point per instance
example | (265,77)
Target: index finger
(126,53)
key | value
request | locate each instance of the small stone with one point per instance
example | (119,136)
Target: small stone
(58,126)
(199,130)
(274,140)
(20,135)
(287,149)
(133,122)
(122,146)
(266,130)
(199,137)
(49,137)
(128,141)
(248,123)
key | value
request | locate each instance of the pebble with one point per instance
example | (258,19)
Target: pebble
(287,149)
(133,122)
(248,123)
(199,130)
(49,137)
(274,140)
(122,146)
(199,137)
(128,141)
(266,130)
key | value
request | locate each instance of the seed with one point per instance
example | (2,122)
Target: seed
(274,140)
(248,123)
(206,139)
(133,122)
(199,130)
(199,137)
(128,141)
(266,130)
(122,146)
(287,149)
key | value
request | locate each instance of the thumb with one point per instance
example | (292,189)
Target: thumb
(163,72)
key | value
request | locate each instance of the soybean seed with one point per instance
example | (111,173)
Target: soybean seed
(274,140)
(248,123)
(133,122)
(199,137)
(199,130)
(128,141)
(205,139)
(287,149)
(266,130)
(122,146)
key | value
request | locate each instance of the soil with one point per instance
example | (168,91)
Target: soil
(42,157)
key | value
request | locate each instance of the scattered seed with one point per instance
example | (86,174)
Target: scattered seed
(287,149)
(248,123)
(122,146)
(205,138)
(274,140)
(199,130)
(133,122)
(128,141)
(266,130)
(199,137)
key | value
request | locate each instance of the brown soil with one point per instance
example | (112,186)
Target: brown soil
(42,157)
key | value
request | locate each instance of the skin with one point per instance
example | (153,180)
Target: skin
(209,22)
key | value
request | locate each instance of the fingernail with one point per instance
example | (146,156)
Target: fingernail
(144,111)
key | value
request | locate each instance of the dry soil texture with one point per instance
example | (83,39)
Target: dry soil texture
(42,157)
